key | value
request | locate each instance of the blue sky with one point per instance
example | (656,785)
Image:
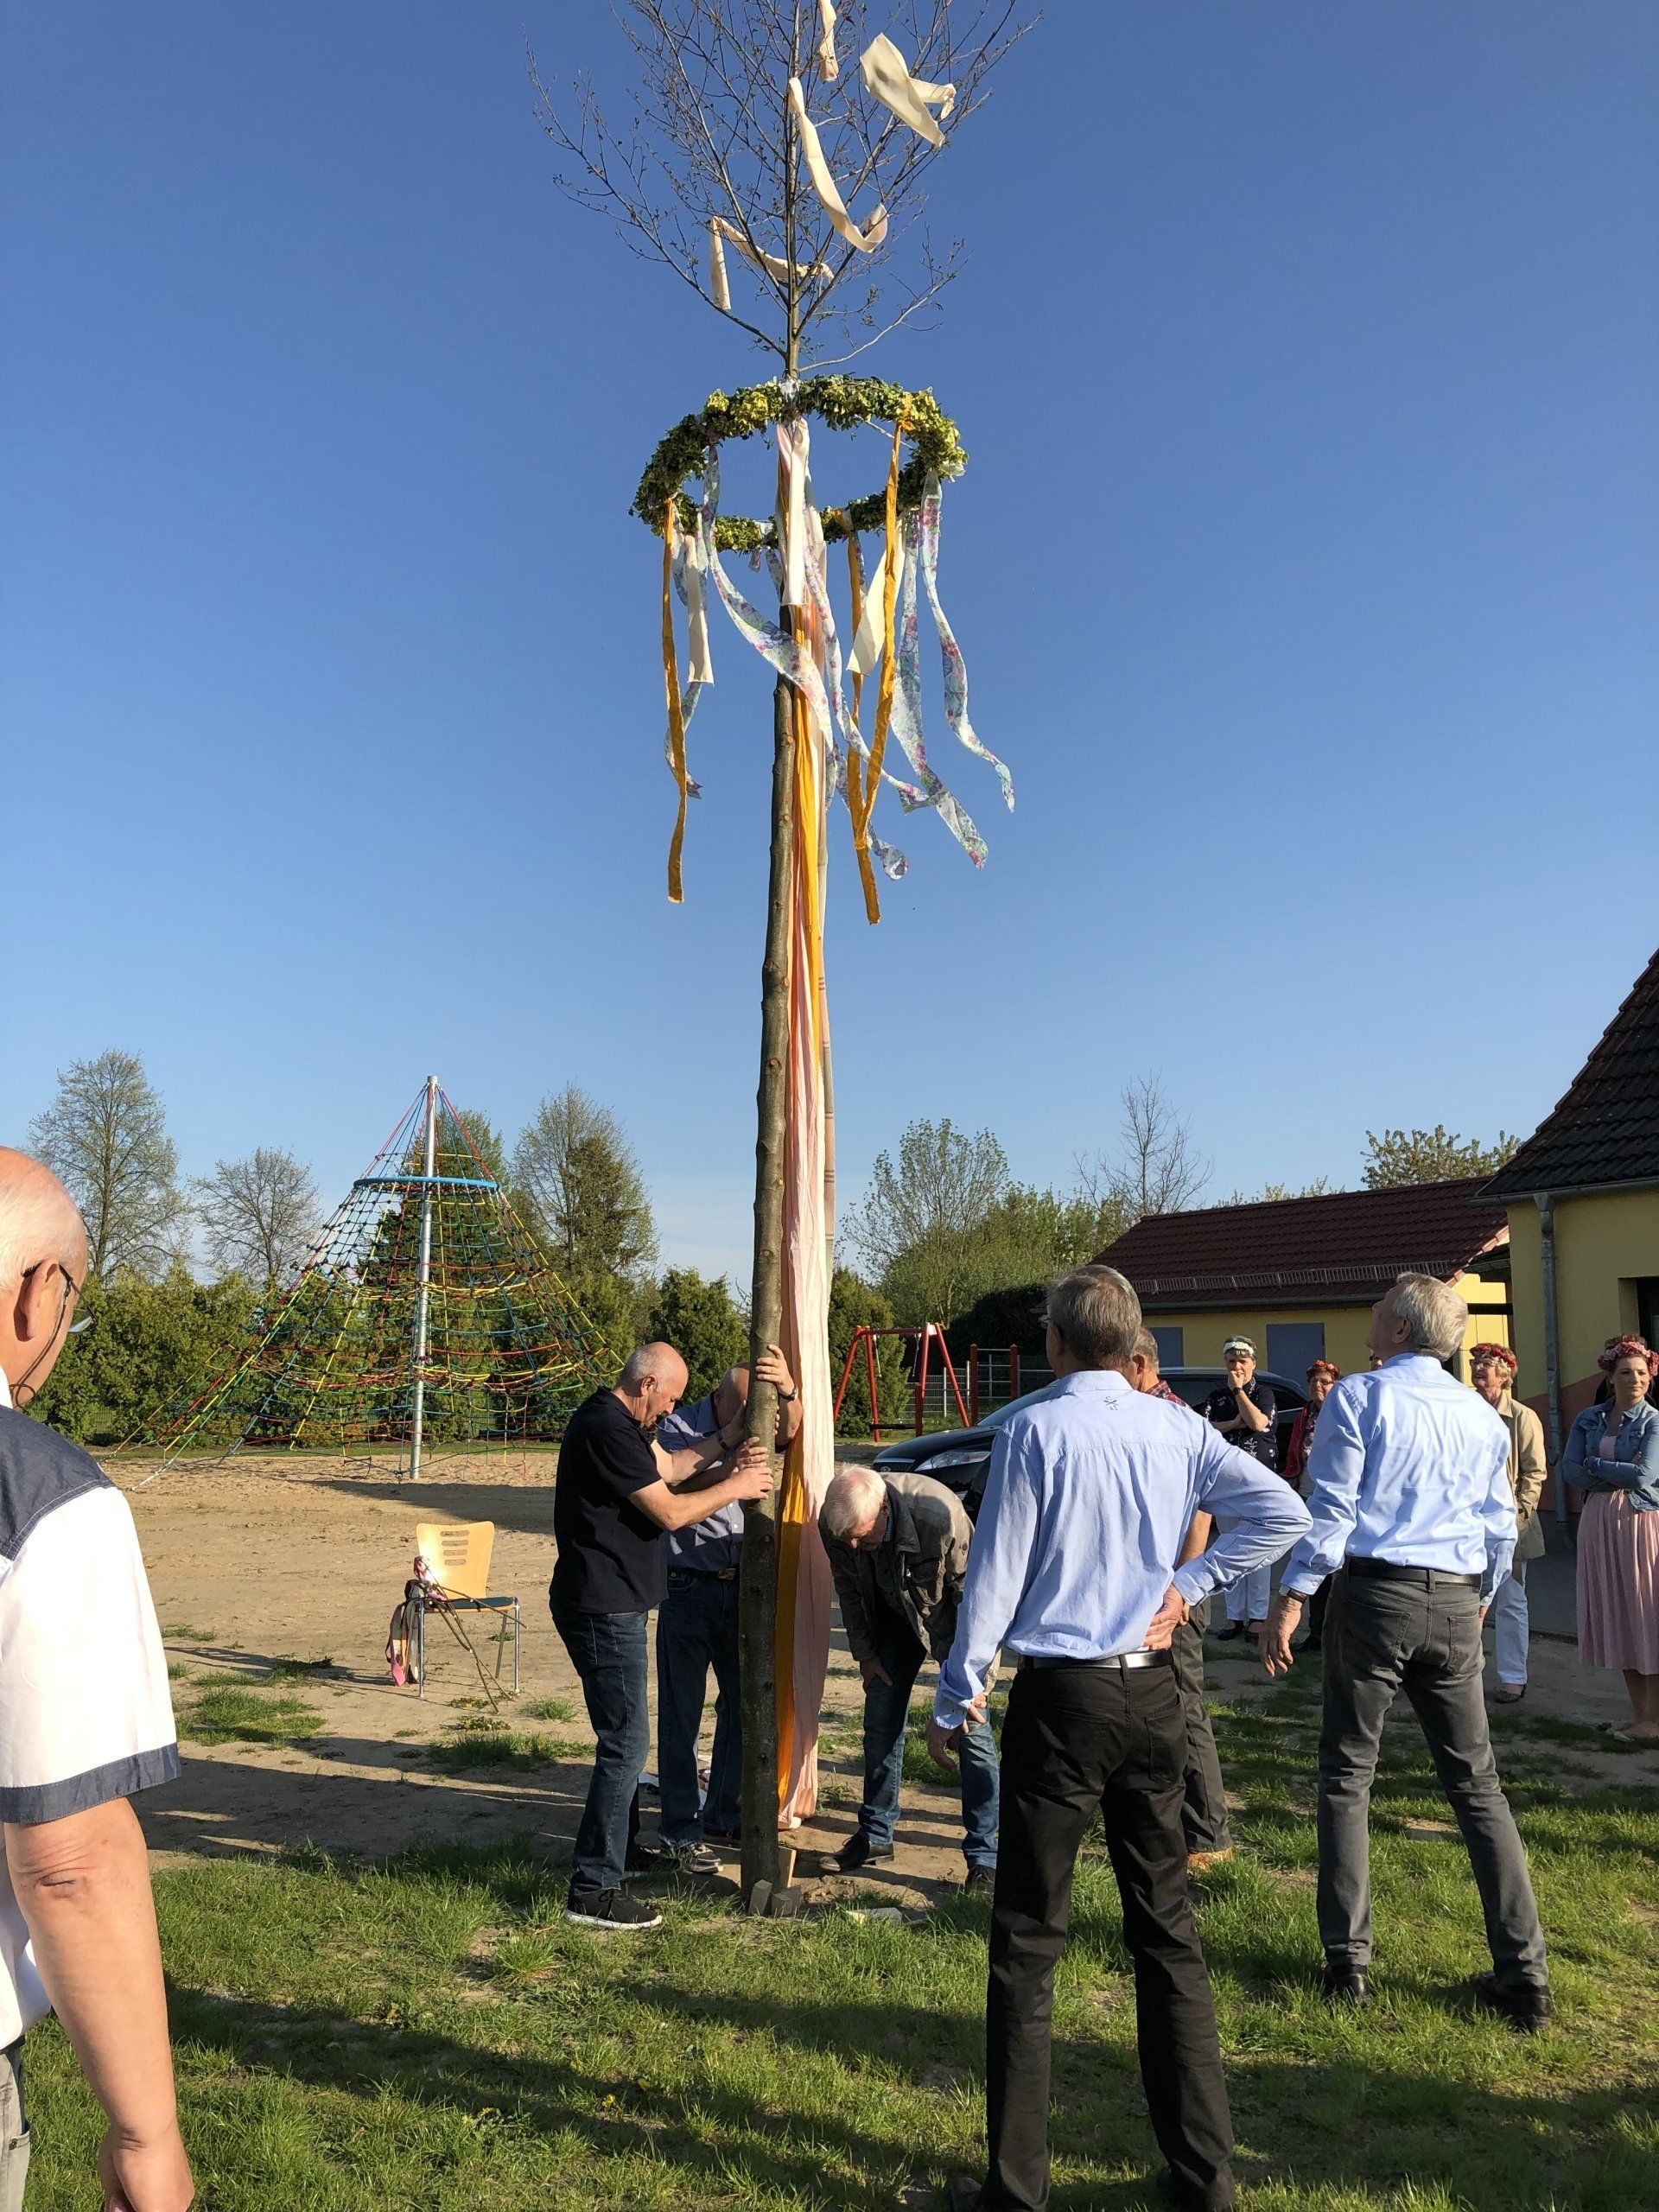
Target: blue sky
(1308,357)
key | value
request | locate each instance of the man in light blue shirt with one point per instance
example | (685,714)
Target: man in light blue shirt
(1411,1500)
(1074,1574)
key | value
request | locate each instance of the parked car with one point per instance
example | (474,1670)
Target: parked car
(961,1457)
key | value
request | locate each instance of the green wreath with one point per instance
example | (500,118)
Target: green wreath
(842,403)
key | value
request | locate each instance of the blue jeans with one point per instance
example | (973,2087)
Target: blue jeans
(696,1629)
(608,1653)
(886,1709)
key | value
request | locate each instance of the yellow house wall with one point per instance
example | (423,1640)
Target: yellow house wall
(1346,1326)
(1604,1241)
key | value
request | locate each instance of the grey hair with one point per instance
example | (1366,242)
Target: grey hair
(647,1364)
(1436,1317)
(1096,1312)
(1146,1347)
(848,1502)
(38,1218)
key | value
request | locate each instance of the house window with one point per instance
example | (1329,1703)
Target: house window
(1171,1347)
(1292,1346)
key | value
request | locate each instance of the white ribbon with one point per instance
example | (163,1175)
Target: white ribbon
(775,265)
(888,79)
(823,184)
(827,64)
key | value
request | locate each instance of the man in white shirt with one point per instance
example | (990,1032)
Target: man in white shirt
(1411,1501)
(86,1720)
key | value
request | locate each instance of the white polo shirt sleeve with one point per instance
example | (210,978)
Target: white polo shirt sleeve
(86,1714)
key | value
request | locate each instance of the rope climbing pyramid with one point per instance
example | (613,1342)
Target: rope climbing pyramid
(425,1313)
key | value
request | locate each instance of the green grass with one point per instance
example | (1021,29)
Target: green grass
(489,1745)
(430,2036)
(229,1711)
(550,1709)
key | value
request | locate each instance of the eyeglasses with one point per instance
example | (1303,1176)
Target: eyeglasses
(75,1328)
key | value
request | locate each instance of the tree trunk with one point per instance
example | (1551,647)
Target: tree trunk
(758,1590)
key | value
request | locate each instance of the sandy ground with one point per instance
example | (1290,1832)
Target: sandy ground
(260,1559)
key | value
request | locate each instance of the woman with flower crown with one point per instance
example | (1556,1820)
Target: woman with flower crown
(1612,1457)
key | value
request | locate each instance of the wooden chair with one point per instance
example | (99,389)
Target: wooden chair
(456,1554)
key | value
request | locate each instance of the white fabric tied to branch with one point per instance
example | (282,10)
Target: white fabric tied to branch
(868,643)
(774,264)
(827,64)
(888,79)
(823,184)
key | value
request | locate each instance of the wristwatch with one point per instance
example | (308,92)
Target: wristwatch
(788,1397)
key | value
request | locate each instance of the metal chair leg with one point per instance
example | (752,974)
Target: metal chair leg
(518,1633)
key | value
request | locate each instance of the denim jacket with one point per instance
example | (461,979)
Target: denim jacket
(1634,1465)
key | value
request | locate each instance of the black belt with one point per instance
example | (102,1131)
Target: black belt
(1426,1577)
(1120,1663)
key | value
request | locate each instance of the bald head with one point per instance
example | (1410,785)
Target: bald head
(38,1220)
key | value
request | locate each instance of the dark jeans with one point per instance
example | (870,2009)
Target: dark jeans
(1423,1637)
(608,1653)
(886,1710)
(1079,1741)
(1204,1808)
(696,1629)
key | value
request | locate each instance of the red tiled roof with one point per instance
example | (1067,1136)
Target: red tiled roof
(1343,1248)
(1606,1130)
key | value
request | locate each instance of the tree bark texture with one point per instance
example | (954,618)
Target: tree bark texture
(758,1589)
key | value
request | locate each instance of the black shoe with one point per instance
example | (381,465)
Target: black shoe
(612,1909)
(1526,2008)
(858,1851)
(722,1836)
(1226,1635)
(1313,1644)
(980,1882)
(963,2194)
(1175,2192)
(644,1859)
(1346,1985)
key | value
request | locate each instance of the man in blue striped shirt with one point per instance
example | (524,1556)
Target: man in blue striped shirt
(1074,1573)
(1411,1501)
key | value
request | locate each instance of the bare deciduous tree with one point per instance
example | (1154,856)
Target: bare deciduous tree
(258,1214)
(1158,1168)
(710,137)
(106,1135)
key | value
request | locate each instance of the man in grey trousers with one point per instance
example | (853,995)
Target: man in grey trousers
(1411,1501)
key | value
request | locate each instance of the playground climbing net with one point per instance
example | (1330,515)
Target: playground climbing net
(426,1314)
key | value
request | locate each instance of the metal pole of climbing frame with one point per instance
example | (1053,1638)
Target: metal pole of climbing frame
(423,1279)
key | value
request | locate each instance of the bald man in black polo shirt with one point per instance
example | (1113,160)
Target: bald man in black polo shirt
(616,1496)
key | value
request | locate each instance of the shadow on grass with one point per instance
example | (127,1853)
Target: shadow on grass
(1354,2126)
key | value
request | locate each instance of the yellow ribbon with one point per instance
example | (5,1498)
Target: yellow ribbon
(676,711)
(863,800)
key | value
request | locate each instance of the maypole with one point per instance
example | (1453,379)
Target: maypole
(753,165)
(423,1282)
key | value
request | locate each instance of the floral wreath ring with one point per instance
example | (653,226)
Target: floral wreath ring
(841,402)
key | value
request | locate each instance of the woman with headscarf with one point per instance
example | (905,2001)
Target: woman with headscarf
(1492,1369)
(1612,1456)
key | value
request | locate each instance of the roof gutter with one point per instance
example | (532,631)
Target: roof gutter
(1545,1202)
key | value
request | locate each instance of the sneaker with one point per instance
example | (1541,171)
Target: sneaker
(1511,1693)
(611,1908)
(858,1851)
(722,1836)
(980,1882)
(1526,2008)
(691,1858)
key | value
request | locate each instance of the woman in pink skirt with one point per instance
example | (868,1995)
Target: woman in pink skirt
(1612,1456)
